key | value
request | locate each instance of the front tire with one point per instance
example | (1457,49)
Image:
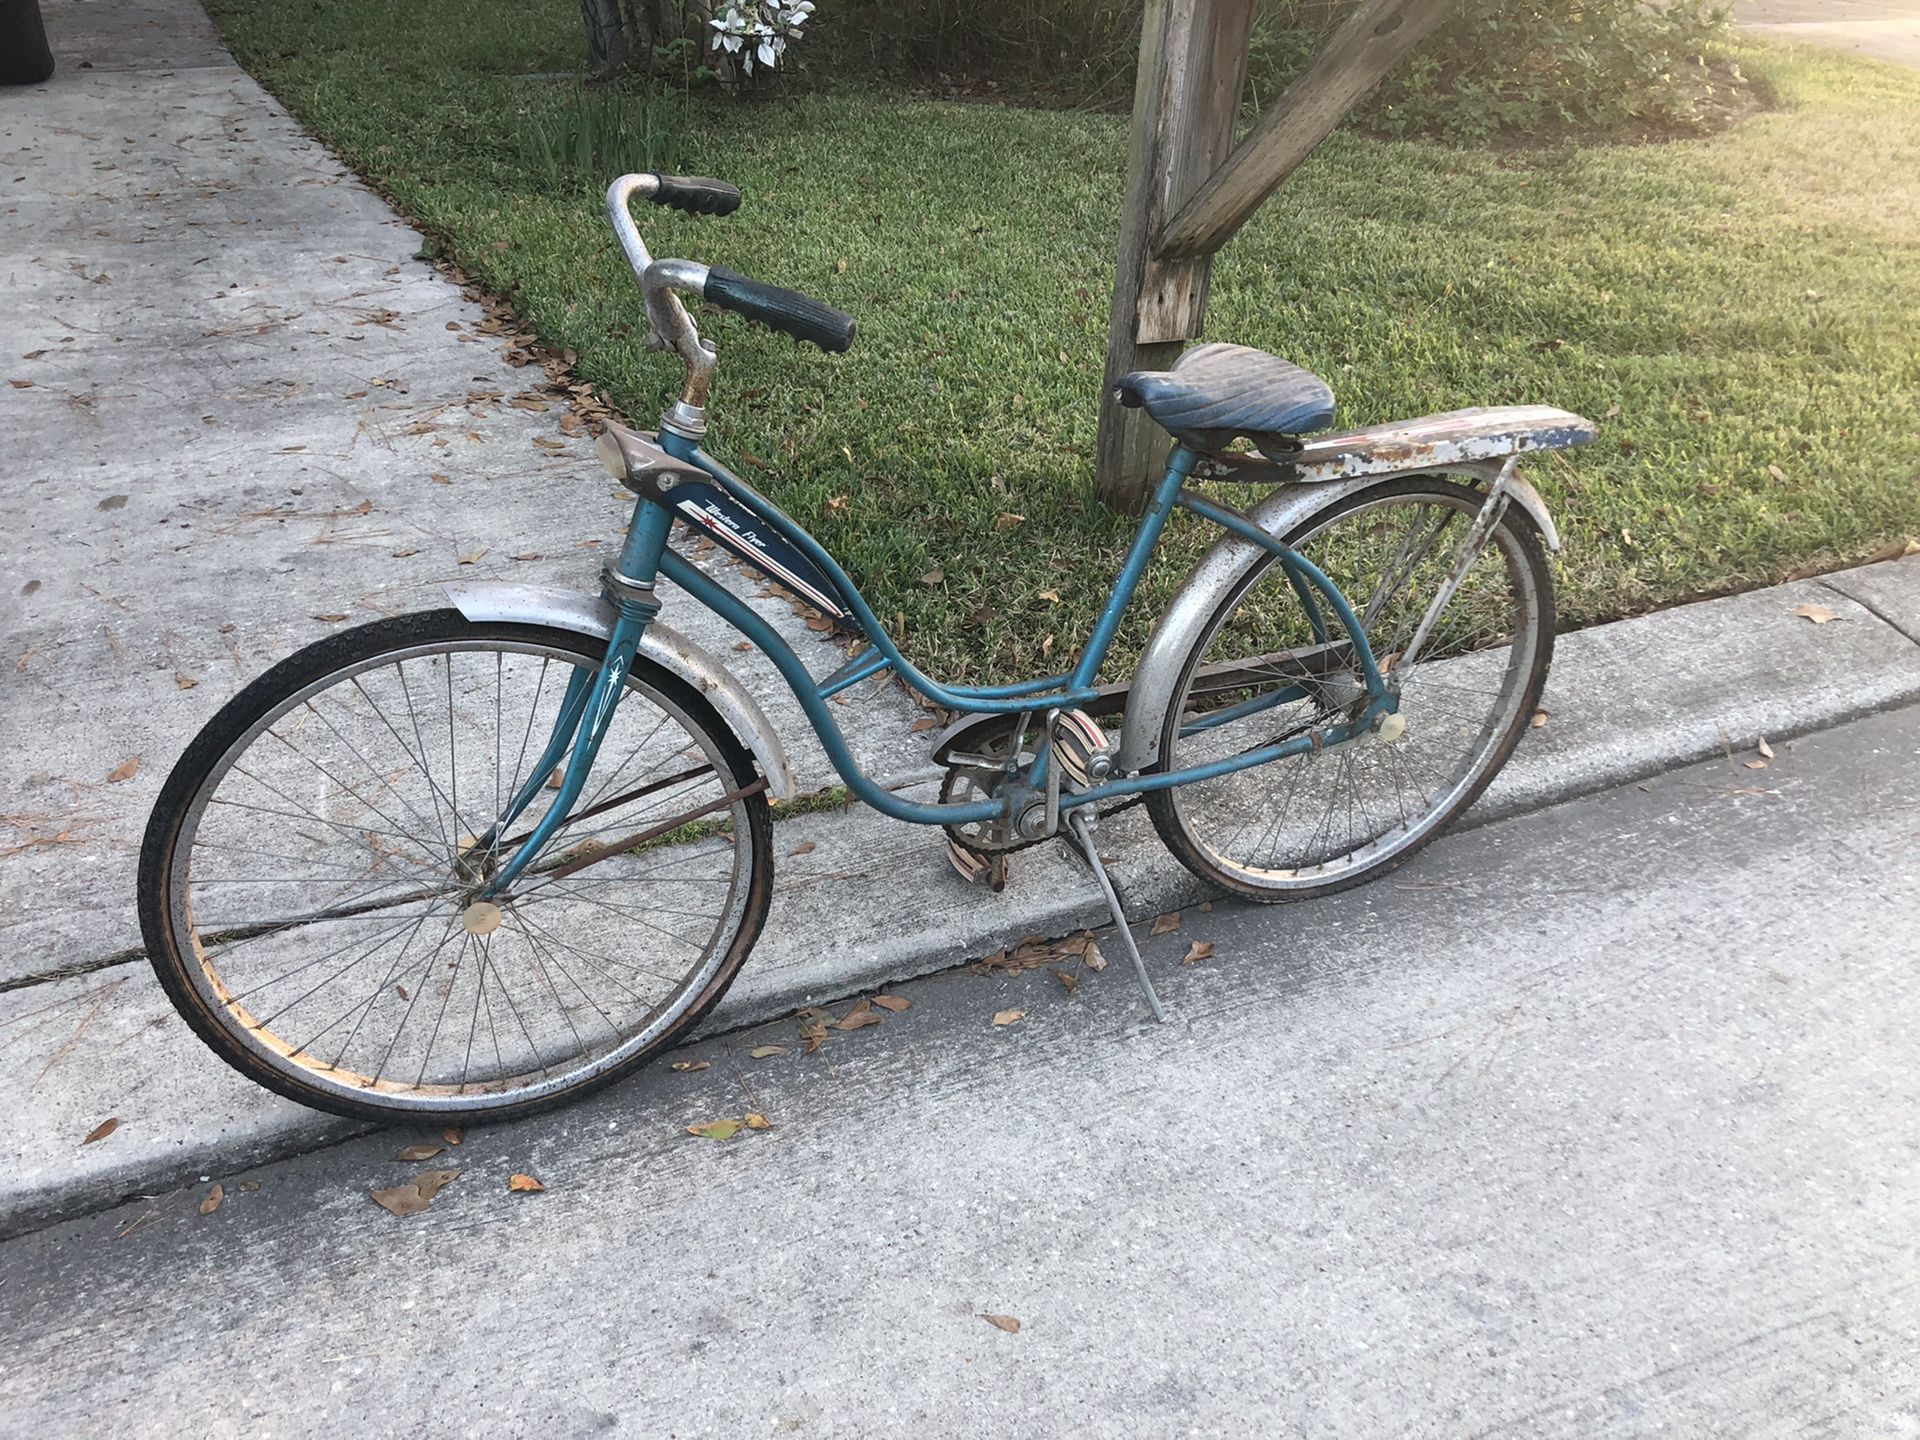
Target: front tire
(309,875)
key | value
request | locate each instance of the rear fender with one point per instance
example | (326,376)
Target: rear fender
(1280,513)
(586,614)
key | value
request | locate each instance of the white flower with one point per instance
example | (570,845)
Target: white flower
(759,29)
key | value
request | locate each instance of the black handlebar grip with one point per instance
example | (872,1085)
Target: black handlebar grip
(787,311)
(697,195)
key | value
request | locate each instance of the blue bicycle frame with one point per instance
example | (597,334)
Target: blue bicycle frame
(590,700)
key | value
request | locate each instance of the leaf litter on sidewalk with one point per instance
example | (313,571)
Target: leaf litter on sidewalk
(414,1196)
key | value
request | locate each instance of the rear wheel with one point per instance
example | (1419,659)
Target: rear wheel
(310,880)
(1261,673)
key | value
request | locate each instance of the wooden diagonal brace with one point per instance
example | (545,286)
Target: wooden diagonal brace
(1367,45)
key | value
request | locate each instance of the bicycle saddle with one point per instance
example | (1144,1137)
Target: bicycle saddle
(1216,392)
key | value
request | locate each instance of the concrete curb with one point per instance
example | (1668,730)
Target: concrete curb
(873,901)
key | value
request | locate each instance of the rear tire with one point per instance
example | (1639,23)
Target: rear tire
(333,798)
(1368,804)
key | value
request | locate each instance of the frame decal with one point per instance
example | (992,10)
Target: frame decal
(747,535)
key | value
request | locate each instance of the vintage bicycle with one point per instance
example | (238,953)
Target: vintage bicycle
(479,860)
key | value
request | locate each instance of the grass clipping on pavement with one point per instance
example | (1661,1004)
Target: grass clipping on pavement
(1737,310)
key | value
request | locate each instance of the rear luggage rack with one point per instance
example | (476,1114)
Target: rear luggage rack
(1433,442)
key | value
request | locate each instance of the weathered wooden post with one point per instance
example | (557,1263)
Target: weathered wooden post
(1186,97)
(1189,188)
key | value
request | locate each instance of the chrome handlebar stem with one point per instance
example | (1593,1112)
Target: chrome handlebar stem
(670,323)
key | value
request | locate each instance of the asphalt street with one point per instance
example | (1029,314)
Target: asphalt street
(1598,1121)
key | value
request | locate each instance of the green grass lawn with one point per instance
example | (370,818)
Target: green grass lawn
(1741,309)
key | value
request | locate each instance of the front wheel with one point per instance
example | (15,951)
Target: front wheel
(1263,670)
(311,878)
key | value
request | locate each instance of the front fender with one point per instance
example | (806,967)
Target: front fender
(592,615)
(1279,513)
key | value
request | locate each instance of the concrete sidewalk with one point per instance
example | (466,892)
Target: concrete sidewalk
(230,365)
(1883,29)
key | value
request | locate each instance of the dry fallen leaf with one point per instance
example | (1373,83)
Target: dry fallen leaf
(414,1196)
(124,770)
(1066,978)
(1003,1322)
(102,1130)
(212,1201)
(933,576)
(439,479)
(858,1018)
(331,617)
(1755,764)
(1818,614)
(690,1064)
(895,1003)
(1198,950)
(1776,473)
(1009,1017)
(472,557)
(1052,597)
(1006,520)
(716,1129)
(1162,924)
(762,1052)
(1766,750)
(925,722)
(805,847)
(1095,961)
(418,1152)
(1539,719)
(451,1135)
(757,1121)
(523,1185)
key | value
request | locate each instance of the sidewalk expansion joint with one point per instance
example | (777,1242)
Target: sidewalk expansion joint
(1873,610)
(129,956)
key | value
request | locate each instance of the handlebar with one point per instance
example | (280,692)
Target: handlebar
(785,310)
(696,194)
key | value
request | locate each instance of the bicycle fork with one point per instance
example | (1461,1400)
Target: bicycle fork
(587,708)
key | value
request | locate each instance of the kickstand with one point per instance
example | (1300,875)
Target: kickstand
(1077,822)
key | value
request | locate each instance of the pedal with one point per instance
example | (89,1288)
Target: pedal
(1083,831)
(1086,757)
(976,868)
